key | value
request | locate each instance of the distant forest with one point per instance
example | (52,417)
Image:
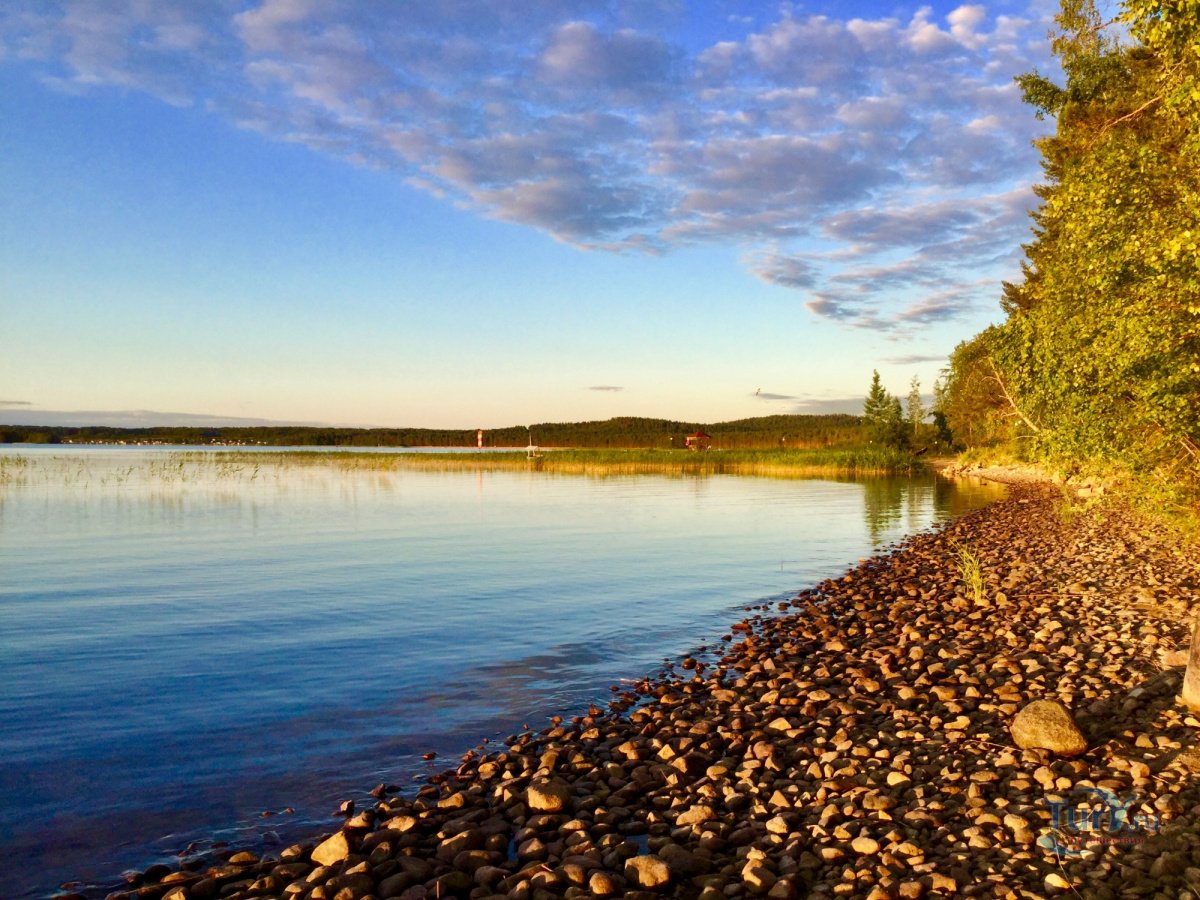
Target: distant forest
(628,432)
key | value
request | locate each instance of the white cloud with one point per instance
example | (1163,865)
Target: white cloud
(865,137)
(272,27)
(964,23)
(580,56)
(925,37)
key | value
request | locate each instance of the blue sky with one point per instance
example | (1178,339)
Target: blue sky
(475,214)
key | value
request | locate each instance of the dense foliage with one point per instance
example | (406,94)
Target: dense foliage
(803,432)
(888,423)
(1098,360)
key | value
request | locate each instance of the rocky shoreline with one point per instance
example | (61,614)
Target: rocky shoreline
(853,743)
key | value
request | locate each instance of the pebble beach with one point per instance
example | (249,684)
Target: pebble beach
(856,741)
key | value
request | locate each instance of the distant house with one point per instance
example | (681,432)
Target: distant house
(697,441)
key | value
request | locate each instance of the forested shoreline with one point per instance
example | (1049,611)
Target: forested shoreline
(774,432)
(1096,365)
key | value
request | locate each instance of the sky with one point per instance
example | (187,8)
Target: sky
(479,213)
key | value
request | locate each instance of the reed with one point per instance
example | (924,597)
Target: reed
(186,467)
(609,463)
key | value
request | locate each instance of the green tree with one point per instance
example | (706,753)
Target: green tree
(883,416)
(1098,359)
(915,407)
(875,407)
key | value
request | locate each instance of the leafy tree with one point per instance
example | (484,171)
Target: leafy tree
(1098,358)
(970,400)
(941,428)
(915,407)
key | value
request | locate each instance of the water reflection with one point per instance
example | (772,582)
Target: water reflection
(197,638)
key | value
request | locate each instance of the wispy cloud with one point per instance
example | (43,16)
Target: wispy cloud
(788,271)
(870,137)
(136,418)
(825,405)
(913,359)
(606,387)
(763,395)
(7,404)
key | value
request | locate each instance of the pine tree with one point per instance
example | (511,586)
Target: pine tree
(883,416)
(876,405)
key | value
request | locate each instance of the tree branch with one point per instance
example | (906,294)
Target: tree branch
(1190,446)
(1137,112)
(1016,411)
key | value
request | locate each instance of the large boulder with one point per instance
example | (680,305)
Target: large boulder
(1047,725)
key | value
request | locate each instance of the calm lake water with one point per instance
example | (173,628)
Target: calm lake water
(189,641)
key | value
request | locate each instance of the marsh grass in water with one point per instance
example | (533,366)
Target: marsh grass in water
(678,463)
(186,468)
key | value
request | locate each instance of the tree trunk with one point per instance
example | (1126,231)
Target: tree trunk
(1191,678)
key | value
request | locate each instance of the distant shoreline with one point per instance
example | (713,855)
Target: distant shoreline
(764,432)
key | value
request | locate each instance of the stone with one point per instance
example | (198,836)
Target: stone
(453,801)
(697,815)
(878,802)
(350,887)
(1189,759)
(865,846)
(1047,725)
(452,846)
(943,883)
(548,795)
(683,862)
(602,884)
(778,825)
(452,883)
(401,823)
(1172,659)
(757,878)
(394,886)
(647,871)
(1056,882)
(331,851)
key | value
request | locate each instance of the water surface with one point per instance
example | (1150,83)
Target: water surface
(189,641)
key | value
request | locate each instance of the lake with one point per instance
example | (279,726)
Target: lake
(202,646)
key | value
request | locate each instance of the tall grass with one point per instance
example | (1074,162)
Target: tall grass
(185,468)
(970,571)
(601,463)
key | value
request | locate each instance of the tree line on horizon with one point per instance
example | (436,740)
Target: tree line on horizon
(780,431)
